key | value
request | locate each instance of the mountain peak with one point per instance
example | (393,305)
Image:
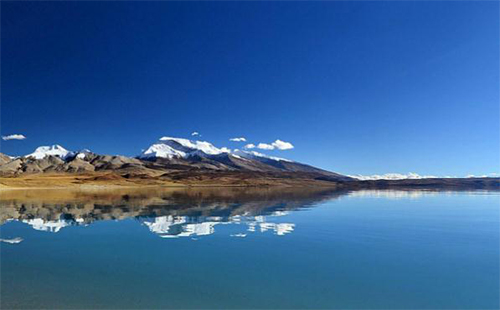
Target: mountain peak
(193,145)
(52,150)
(169,147)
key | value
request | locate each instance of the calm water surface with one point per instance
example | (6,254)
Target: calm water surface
(250,249)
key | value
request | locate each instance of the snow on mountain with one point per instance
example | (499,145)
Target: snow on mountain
(190,146)
(168,147)
(54,150)
(83,153)
(162,150)
(415,176)
(392,176)
(257,155)
(6,158)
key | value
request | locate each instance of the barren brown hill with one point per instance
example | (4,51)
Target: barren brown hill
(89,169)
(222,170)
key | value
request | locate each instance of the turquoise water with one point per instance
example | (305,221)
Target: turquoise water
(361,250)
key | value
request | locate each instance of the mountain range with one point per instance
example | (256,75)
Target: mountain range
(171,160)
(180,162)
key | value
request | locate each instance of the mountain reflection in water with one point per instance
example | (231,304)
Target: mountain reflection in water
(173,213)
(257,248)
(169,213)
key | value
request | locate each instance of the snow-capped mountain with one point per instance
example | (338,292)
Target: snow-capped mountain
(54,150)
(42,152)
(168,147)
(174,159)
(82,154)
(161,150)
(190,162)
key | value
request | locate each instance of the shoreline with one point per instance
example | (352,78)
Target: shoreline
(74,182)
(180,186)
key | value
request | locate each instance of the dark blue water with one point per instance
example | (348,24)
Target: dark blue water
(363,250)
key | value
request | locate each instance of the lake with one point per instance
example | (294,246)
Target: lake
(249,248)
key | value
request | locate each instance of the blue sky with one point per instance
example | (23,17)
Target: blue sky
(356,87)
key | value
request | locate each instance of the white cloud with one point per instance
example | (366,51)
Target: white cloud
(195,133)
(249,146)
(282,145)
(14,137)
(241,139)
(225,150)
(265,146)
(278,144)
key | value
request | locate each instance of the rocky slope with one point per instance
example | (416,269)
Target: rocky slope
(181,162)
(170,159)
